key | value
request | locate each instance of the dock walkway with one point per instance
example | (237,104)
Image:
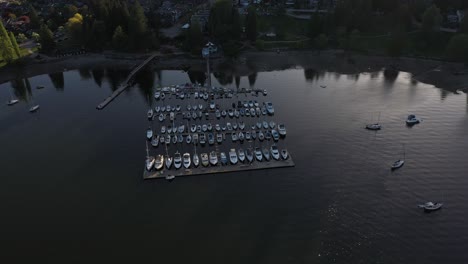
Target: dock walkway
(125,84)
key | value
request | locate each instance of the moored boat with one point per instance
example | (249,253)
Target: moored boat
(233,156)
(149,133)
(159,162)
(168,162)
(412,120)
(249,155)
(275,135)
(150,113)
(34,108)
(195,159)
(431,206)
(224,159)
(274,152)
(213,158)
(186,160)
(284,154)
(12,102)
(258,154)
(266,154)
(282,130)
(205,160)
(241,155)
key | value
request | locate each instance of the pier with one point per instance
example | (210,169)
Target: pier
(125,84)
(200,170)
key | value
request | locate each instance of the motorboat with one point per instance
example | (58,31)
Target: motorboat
(204,127)
(157,109)
(149,163)
(213,158)
(247,112)
(274,152)
(234,126)
(217,127)
(173,109)
(241,155)
(234,136)
(195,159)
(171,116)
(168,139)
(233,156)
(269,108)
(180,138)
(188,139)
(149,133)
(34,108)
(169,129)
(249,155)
(248,135)
(150,113)
(412,120)
(168,162)
(255,103)
(195,95)
(258,111)
(195,138)
(253,134)
(163,129)
(182,96)
(229,126)
(219,138)
(207,116)
(199,129)
(284,154)
(212,105)
(252,112)
(161,117)
(275,135)
(242,112)
(186,159)
(157,95)
(218,114)
(236,113)
(230,113)
(261,137)
(245,104)
(161,139)
(194,115)
(258,154)
(205,161)
(266,154)
(174,139)
(223,128)
(282,130)
(224,159)
(181,129)
(163,96)
(193,128)
(375,126)
(431,206)
(250,104)
(397,164)
(223,113)
(170,177)
(155,141)
(265,124)
(189,107)
(265,92)
(209,127)
(202,138)
(241,136)
(264,111)
(178,108)
(200,106)
(268,135)
(159,162)
(163,108)
(272,124)
(210,138)
(168,108)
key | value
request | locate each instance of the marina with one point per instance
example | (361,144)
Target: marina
(190,121)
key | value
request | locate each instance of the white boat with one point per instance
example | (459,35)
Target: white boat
(189,107)
(269,108)
(217,127)
(178,108)
(230,113)
(258,154)
(157,109)
(212,105)
(186,159)
(150,113)
(264,111)
(157,95)
(274,152)
(205,160)
(284,154)
(266,154)
(159,162)
(196,160)
(202,138)
(241,136)
(275,135)
(229,126)
(181,96)
(399,163)
(163,96)
(219,138)
(234,136)
(233,156)
(236,113)
(168,139)
(248,135)
(264,92)
(12,102)
(224,159)
(149,133)
(171,116)
(174,139)
(188,139)
(211,138)
(194,115)
(213,158)
(241,155)
(163,129)
(161,117)
(180,138)
(255,103)
(272,124)
(430,206)
(258,111)
(204,127)
(218,114)
(149,159)
(163,108)
(249,155)
(253,134)
(170,177)
(268,135)
(168,162)
(169,129)
(209,127)
(375,126)
(200,106)
(234,126)
(195,138)
(34,108)
(412,120)
(261,136)
(155,141)
(241,125)
(223,113)
(265,124)
(193,128)
(282,130)
(181,129)
(177,160)
(247,112)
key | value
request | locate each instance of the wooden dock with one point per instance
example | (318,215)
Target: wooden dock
(200,170)
(125,84)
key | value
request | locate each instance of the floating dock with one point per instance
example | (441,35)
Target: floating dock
(219,169)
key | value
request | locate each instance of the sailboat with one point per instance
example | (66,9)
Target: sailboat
(149,159)
(374,126)
(399,163)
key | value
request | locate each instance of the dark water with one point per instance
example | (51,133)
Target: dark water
(71,188)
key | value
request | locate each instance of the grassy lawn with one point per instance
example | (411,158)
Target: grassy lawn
(286,28)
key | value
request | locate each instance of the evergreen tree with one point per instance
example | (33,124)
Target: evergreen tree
(137,27)
(195,38)
(35,21)
(6,47)
(251,24)
(456,49)
(46,38)
(119,39)
(15,45)
(431,19)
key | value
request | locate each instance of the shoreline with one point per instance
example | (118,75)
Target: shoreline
(446,75)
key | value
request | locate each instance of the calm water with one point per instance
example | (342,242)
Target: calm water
(71,188)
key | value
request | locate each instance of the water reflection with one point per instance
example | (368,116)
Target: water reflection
(224,78)
(145,81)
(57,80)
(98,74)
(85,73)
(311,75)
(116,76)
(390,75)
(197,76)
(237,78)
(22,89)
(252,79)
